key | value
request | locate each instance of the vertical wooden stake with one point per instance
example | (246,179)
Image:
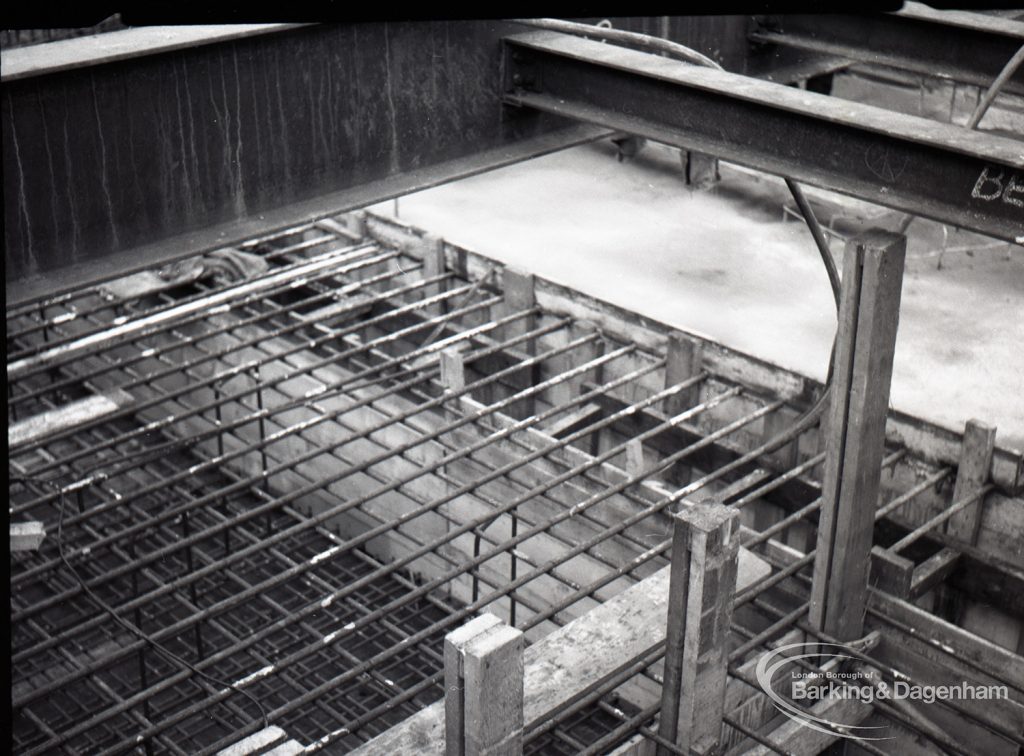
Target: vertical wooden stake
(634,457)
(868,318)
(705,554)
(891,573)
(971,474)
(587,353)
(483,682)
(683,356)
(453,369)
(356,223)
(785,457)
(520,295)
(432,252)
(565,391)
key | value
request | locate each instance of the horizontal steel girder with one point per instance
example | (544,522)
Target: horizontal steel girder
(964,47)
(969,179)
(196,144)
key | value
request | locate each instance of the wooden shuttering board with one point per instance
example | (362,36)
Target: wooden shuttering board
(66,417)
(570,660)
(923,439)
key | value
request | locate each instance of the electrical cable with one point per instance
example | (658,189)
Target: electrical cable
(688,55)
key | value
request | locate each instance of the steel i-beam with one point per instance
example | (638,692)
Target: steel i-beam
(964,47)
(912,164)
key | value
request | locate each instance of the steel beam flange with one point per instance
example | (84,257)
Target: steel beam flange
(940,171)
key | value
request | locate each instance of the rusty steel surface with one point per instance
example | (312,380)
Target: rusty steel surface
(964,47)
(948,173)
(122,164)
(111,157)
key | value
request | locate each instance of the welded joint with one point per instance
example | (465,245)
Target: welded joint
(483,684)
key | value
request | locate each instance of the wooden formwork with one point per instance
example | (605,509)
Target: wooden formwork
(368,390)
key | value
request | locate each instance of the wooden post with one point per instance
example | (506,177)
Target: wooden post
(483,683)
(520,295)
(705,552)
(891,573)
(566,391)
(634,457)
(785,457)
(431,249)
(971,474)
(683,356)
(868,318)
(453,369)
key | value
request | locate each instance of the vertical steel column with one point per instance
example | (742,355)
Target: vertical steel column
(868,318)
(705,555)
(483,684)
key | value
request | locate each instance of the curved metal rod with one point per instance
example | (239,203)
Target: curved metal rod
(1008,70)
(650,43)
(689,55)
(979,112)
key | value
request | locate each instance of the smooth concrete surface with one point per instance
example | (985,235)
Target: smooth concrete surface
(724,263)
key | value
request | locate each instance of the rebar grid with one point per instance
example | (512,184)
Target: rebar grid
(302,510)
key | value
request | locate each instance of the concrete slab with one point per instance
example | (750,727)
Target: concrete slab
(726,264)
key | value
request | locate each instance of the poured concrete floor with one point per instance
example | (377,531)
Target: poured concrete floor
(723,263)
